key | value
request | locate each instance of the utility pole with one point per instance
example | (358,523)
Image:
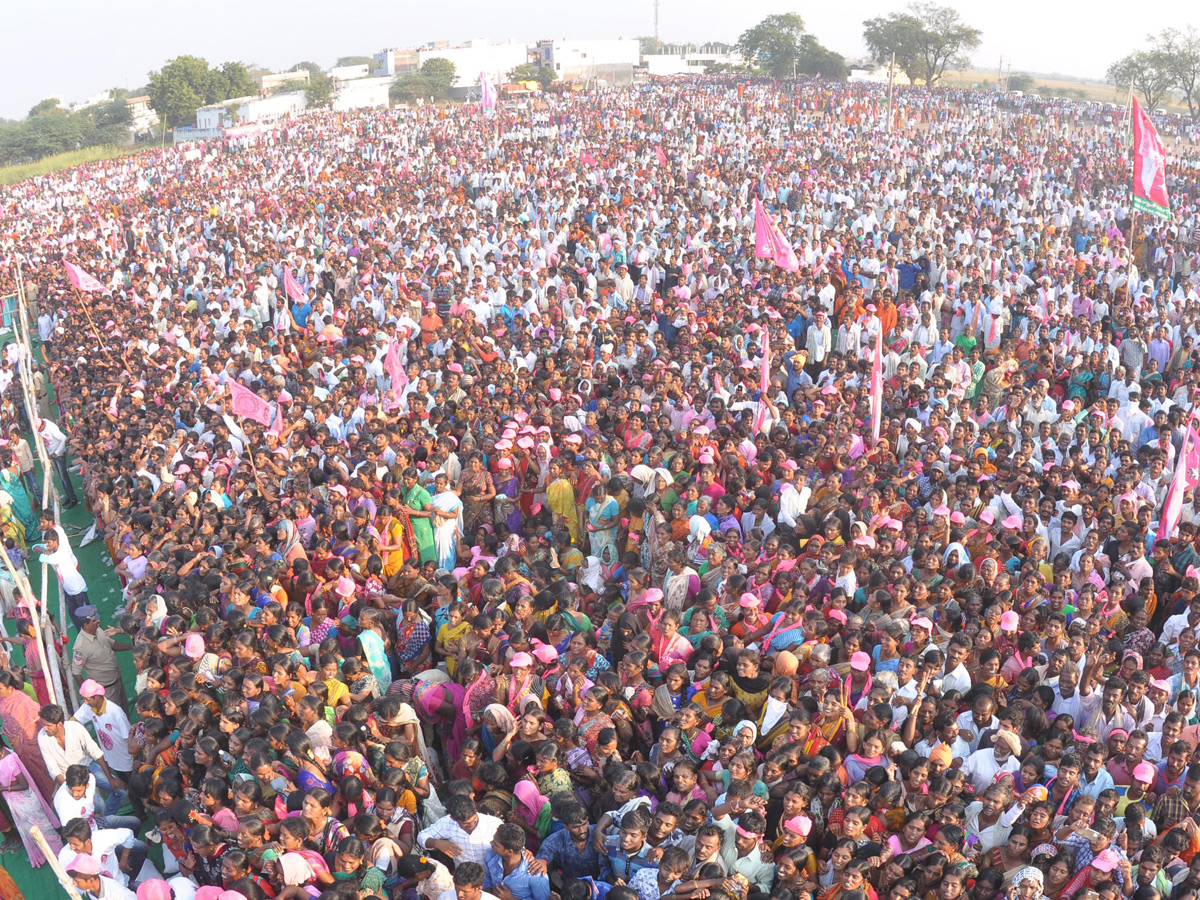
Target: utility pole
(657,43)
(891,85)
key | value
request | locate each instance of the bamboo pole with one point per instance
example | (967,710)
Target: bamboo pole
(52,858)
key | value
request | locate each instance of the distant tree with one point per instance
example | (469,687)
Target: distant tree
(318,94)
(1148,71)
(238,82)
(813,59)
(44,106)
(356,61)
(543,75)
(649,44)
(1181,50)
(1021,81)
(927,39)
(774,43)
(181,87)
(441,74)
(310,66)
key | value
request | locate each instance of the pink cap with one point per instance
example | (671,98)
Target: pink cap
(154,889)
(748,601)
(1106,861)
(1160,684)
(837,615)
(789,464)
(922,622)
(860,661)
(91,688)
(525,443)
(1009,621)
(84,864)
(654,595)
(521,661)
(504,463)
(706,459)
(1011,522)
(1145,773)
(345,586)
(957,518)
(942,511)
(987,516)
(504,445)
(800,825)
(193,647)
(545,653)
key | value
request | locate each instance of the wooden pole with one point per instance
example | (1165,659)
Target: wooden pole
(51,857)
(891,83)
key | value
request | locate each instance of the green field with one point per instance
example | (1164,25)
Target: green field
(13,174)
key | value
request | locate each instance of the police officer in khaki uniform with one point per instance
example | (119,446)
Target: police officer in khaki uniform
(96,652)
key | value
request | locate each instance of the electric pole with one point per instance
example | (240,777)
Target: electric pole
(657,44)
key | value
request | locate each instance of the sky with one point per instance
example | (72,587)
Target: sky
(76,48)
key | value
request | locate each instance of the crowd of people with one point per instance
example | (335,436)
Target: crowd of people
(492,523)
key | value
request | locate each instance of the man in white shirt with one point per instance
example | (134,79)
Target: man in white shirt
(56,552)
(464,834)
(984,765)
(120,854)
(111,725)
(56,447)
(64,742)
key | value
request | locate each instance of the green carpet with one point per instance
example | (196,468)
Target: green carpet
(104,590)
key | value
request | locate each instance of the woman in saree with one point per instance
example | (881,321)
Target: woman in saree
(592,719)
(26,806)
(446,514)
(561,498)
(480,692)
(440,703)
(586,480)
(19,716)
(507,510)
(532,812)
(602,515)
(477,491)
(416,510)
(10,525)
(412,640)
(374,649)
(497,725)
(10,483)
(290,547)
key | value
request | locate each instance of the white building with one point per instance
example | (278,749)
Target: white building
(349,73)
(144,117)
(610,60)
(362,93)
(213,120)
(274,80)
(689,59)
(469,59)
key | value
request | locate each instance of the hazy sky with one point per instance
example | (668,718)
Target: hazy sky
(76,48)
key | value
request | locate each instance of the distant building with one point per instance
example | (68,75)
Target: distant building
(349,73)
(469,59)
(689,59)
(274,80)
(144,117)
(610,60)
(867,72)
(216,119)
(362,93)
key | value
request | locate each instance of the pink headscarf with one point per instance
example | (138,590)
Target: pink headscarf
(530,801)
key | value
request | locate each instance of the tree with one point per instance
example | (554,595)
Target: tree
(1148,71)
(441,74)
(1021,81)
(816,60)
(648,44)
(44,106)
(179,89)
(926,40)
(237,81)
(367,61)
(1181,50)
(774,43)
(318,94)
(543,75)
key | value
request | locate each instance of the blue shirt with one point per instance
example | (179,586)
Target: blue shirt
(560,854)
(522,885)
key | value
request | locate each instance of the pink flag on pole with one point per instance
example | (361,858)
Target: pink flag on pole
(247,404)
(1186,478)
(82,280)
(391,365)
(764,383)
(487,92)
(662,157)
(877,387)
(1149,166)
(291,286)
(587,159)
(769,241)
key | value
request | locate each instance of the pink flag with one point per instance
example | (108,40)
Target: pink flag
(395,371)
(587,159)
(82,280)
(877,386)
(247,404)
(291,286)
(1149,166)
(769,241)
(1187,478)
(662,157)
(764,384)
(487,92)
(277,425)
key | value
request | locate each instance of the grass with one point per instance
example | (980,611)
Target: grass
(60,161)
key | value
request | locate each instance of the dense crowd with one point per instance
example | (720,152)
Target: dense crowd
(492,523)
